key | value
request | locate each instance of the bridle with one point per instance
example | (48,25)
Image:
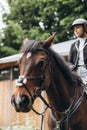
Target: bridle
(68,113)
(41,78)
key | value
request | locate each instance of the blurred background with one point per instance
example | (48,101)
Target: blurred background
(37,19)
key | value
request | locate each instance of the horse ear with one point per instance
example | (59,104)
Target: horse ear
(25,40)
(49,41)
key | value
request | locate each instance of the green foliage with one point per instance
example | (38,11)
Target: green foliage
(39,18)
(5,51)
(34,33)
(13,35)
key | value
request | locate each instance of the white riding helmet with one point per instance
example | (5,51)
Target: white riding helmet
(79,21)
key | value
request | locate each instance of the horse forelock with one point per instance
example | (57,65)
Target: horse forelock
(31,46)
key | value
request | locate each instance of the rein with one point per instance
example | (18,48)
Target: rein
(68,113)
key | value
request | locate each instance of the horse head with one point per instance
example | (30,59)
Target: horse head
(35,73)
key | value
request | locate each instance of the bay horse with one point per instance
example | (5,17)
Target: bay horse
(43,69)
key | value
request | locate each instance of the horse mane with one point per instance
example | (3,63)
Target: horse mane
(33,45)
(63,66)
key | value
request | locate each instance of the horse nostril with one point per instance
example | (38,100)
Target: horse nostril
(25,100)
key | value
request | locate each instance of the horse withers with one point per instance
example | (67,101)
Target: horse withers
(41,68)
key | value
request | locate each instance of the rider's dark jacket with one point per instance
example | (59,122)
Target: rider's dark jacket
(74,55)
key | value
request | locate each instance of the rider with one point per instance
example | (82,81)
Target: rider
(78,51)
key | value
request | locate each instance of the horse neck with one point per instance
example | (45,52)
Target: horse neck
(59,94)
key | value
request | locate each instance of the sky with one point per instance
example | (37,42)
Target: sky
(3,8)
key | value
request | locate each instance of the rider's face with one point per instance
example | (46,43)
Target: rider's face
(79,31)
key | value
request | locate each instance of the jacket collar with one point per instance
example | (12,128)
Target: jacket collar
(78,43)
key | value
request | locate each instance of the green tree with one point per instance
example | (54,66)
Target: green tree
(12,40)
(38,19)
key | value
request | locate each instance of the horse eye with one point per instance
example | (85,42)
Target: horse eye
(40,64)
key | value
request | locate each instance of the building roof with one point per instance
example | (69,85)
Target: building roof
(62,48)
(9,61)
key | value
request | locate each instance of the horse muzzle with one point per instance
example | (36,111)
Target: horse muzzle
(21,103)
